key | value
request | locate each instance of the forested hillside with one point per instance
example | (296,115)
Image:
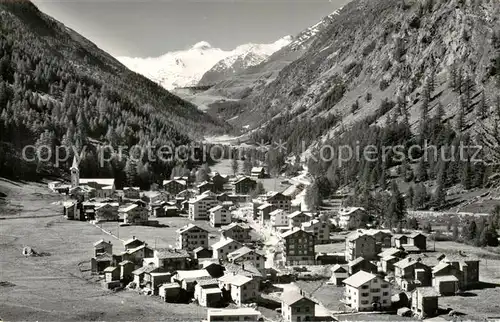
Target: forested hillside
(57,88)
(387,73)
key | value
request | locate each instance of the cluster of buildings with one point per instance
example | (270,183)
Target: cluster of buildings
(371,254)
(97,199)
(233,269)
(230,271)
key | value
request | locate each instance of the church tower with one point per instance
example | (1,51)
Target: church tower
(75,174)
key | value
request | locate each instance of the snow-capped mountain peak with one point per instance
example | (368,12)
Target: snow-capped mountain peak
(202,45)
(186,68)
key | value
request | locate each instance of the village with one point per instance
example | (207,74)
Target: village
(235,252)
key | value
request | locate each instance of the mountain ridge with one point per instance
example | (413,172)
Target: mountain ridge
(185,68)
(58,89)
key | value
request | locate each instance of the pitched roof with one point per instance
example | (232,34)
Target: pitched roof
(110,269)
(218,207)
(427,291)
(163,253)
(407,262)
(247,269)
(357,261)
(145,269)
(338,268)
(359,279)
(290,298)
(439,267)
(233,225)
(213,290)
(239,252)
(446,278)
(170,285)
(133,250)
(389,252)
(460,257)
(188,227)
(233,312)
(410,248)
(297,213)
(208,282)
(101,241)
(125,262)
(243,179)
(128,207)
(358,234)
(99,181)
(181,182)
(242,252)
(237,279)
(264,206)
(131,240)
(415,234)
(192,274)
(349,210)
(224,242)
(292,232)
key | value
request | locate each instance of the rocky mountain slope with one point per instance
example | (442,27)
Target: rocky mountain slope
(242,60)
(58,88)
(244,81)
(385,49)
(187,67)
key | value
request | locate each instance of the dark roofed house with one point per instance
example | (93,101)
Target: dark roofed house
(258,172)
(218,182)
(418,240)
(100,262)
(111,273)
(205,186)
(132,243)
(173,187)
(411,272)
(361,264)
(140,273)
(126,269)
(202,252)
(171,259)
(339,274)
(399,240)
(424,302)
(244,186)
(238,232)
(467,265)
(208,293)
(103,247)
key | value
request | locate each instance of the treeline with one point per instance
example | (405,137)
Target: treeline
(478,232)
(56,88)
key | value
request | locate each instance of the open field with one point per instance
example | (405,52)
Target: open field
(270,184)
(58,287)
(163,236)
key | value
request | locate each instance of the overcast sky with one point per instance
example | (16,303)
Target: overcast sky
(142,28)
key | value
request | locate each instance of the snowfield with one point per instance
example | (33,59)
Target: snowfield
(186,67)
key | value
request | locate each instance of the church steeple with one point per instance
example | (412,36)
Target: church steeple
(75,173)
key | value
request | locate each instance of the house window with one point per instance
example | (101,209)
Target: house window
(364,287)
(365,294)
(298,310)
(385,285)
(364,302)
(385,293)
